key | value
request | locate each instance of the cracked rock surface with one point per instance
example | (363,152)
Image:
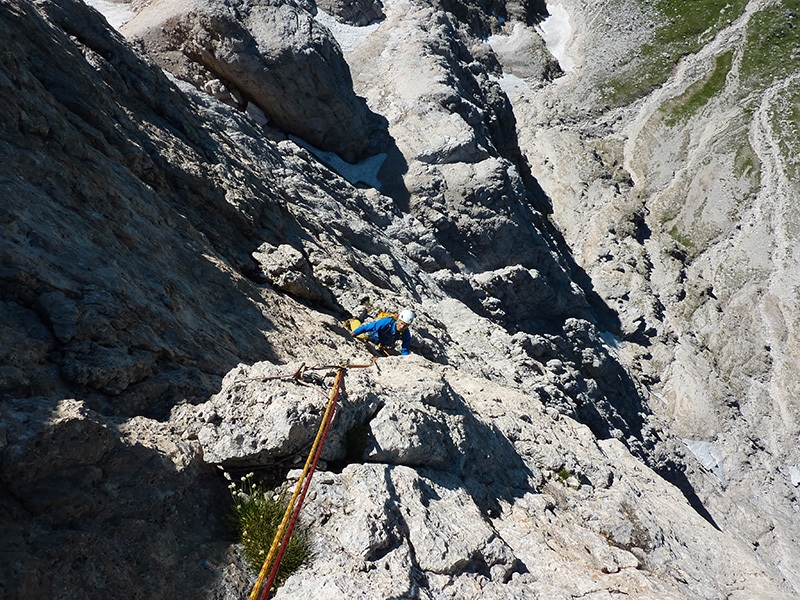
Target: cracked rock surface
(601,395)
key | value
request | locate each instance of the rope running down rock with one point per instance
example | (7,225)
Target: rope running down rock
(284,533)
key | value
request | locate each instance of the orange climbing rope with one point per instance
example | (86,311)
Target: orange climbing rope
(284,533)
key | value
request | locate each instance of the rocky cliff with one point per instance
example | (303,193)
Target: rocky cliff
(598,240)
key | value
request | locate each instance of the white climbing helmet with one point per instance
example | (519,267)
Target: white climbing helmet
(407,316)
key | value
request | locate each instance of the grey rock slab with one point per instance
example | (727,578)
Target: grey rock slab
(274,55)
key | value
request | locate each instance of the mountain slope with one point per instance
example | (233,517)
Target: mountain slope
(680,206)
(169,260)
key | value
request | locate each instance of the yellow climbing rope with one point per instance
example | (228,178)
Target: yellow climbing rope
(284,533)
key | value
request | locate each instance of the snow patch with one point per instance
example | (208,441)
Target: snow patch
(116,13)
(363,173)
(612,342)
(794,474)
(709,456)
(349,37)
(513,86)
(556,31)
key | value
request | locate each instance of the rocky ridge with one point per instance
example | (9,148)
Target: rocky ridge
(167,253)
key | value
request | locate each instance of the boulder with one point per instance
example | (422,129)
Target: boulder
(285,268)
(274,55)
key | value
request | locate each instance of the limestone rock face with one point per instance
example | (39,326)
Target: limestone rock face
(678,200)
(577,417)
(288,270)
(274,55)
(462,484)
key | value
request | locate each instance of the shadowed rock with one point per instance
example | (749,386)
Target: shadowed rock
(358,12)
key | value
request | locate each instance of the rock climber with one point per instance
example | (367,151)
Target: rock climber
(386,331)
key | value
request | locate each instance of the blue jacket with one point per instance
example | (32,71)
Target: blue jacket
(384,332)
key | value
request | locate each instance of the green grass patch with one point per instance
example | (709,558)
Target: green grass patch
(792,137)
(563,474)
(772,45)
(698,94)
(680,27)
(683,240)
(256,515)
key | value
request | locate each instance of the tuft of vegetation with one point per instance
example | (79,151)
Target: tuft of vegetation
(568,478)
(698,95)
(564,475)
(256,515)
(683,240)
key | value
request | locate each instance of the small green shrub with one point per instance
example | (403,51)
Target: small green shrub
(568,478)
(257,513)
(563,474)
